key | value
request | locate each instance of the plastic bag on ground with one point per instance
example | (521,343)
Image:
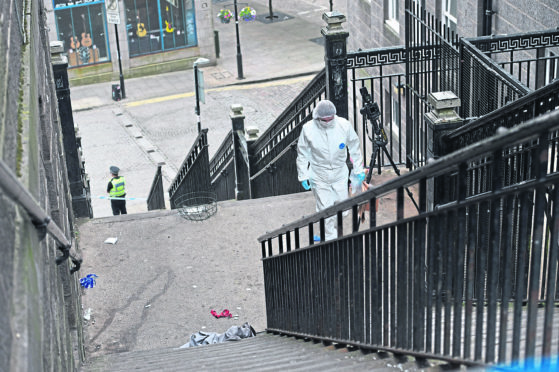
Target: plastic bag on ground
(234,333)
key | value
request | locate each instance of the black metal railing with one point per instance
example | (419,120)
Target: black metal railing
(486,86)
(519,162)
(530,57)
(380,71)
(272,168)
(472,282)
(156,196)
(193,175)
(222,170)
(432,65)
(528,107)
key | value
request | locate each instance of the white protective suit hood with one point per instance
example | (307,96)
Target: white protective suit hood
(324,109)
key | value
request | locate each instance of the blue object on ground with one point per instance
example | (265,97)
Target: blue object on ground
(88,281)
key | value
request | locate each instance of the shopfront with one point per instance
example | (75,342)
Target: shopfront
(159,25)
(151,26)
(81,25)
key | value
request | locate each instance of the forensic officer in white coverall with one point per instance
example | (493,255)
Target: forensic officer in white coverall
(321,159)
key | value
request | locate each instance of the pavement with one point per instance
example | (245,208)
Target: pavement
(159,282)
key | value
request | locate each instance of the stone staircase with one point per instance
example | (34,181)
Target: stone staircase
(157,285)
(264,352)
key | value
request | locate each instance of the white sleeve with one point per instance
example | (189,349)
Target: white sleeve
(354,147)
(303,156)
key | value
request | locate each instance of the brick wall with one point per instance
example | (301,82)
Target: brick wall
(40,306)
(523,16)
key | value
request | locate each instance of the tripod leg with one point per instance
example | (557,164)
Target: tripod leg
(374,155)
(398,173)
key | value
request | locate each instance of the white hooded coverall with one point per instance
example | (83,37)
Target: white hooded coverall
(321,159)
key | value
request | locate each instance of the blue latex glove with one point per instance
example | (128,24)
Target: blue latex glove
(361,176)
(306,185)
(88,281)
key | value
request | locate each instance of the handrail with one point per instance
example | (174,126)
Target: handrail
(513,107)
(17,192)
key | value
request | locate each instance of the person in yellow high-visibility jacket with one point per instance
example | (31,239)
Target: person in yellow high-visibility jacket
(116,189)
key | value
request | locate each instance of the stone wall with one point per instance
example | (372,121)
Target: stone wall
(41,311)
(367,27)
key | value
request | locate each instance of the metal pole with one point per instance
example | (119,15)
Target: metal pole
(331,5)
(122,90)
(197,109)
(239,55)
(15,190)
(271,16)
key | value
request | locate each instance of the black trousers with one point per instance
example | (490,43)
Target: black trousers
(118,206)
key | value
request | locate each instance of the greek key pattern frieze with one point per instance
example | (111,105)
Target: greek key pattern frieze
(517,42)
(376,57)
(387,56)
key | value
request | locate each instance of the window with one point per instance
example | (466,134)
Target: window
(81,26)
(158,25)
(392,15)
(449,15)
(551,68)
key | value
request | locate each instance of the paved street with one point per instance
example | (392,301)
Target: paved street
(156,123)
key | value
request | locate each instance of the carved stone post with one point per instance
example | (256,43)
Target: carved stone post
(440,121)
(79,187)
(335,47)
(240,149)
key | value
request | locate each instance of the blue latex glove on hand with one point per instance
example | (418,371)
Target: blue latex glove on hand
(306,185)
(361,176)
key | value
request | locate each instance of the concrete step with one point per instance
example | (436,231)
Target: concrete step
(264,352)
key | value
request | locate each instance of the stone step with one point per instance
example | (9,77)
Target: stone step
(264,352)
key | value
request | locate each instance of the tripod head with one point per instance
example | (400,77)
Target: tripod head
(370,109)
(371,112)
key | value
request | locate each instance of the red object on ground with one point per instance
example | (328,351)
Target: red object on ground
(225,313)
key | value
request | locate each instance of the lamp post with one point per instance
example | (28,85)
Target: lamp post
(197,82)
(239,55)
(122,89)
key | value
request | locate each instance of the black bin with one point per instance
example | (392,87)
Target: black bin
(116,92)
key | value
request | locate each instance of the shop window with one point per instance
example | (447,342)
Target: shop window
(158,25)
(81,26)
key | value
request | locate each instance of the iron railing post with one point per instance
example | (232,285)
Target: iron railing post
(335,48)
(79,187)
(442,119)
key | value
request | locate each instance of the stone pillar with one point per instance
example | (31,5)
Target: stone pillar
(335,48)
(240,149)
(79,187)
(440,121)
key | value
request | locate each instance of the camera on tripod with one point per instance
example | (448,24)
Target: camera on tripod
(372,112)
(370,109)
